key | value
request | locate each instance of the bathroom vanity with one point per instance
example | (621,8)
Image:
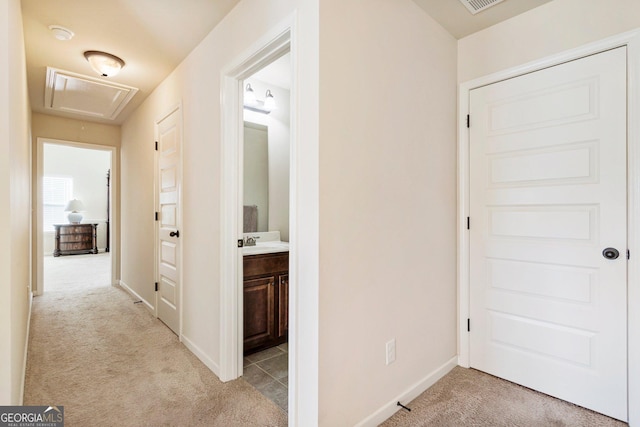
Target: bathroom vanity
(266,300)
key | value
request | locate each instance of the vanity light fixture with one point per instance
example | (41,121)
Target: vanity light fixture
(250,96)
(61,33)
(103,63)
(253,104)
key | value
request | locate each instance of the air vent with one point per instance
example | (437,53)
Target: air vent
(74,93)
(476,6)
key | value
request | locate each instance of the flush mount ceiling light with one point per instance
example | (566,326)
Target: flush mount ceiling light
(103,63)
(250,101)
(61,33)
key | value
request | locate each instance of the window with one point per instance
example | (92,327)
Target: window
(56,192)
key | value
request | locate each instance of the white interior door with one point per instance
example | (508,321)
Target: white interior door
(169,137)
(547,196)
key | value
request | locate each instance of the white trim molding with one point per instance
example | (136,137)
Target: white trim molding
(632,41)
(270,47)
(391,407)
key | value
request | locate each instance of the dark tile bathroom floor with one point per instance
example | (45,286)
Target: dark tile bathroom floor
(268,372)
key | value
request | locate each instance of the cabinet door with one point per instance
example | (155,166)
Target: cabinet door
(259,311)
(283,305)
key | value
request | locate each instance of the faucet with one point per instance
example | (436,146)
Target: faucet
(250,240)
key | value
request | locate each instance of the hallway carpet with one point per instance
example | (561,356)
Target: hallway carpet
(109,362)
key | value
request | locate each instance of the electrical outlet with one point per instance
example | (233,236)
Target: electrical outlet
(391,351)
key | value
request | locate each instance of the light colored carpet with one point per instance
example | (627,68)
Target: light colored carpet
(466,397)
(110,363)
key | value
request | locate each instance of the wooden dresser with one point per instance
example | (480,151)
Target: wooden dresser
(73,239)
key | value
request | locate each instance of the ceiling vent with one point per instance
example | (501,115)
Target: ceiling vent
(476,6)
(77,94)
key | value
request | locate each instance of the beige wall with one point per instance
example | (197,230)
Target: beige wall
(551,28)
(387,164)
(387,204)
(15,279)
(196,85)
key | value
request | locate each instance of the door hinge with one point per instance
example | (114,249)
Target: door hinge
(156,216)
(240,243)
(156,286)
(468,121)
(156,145)
(468,223)
(468,325)
(628,254)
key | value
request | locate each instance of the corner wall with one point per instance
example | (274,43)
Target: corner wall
(15,193)
(387,205)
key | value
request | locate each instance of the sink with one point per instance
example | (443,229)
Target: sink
(267,242)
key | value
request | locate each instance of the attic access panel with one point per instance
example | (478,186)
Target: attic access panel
(74,93)
(476,6)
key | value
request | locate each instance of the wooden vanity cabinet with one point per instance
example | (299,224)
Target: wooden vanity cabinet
(266,300)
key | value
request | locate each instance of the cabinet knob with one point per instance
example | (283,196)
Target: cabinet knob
(174,233)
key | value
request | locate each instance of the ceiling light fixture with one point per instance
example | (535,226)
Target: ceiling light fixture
(61,33)
(250,102)
(103,63)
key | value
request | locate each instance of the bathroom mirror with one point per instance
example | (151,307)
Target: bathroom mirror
(267,160)
(256,178)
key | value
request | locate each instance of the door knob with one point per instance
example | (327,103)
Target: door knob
(174,234)
(610,253)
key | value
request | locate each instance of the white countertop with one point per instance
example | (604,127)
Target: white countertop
(266,243)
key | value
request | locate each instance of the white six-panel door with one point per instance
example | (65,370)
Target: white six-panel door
(169,137)
(547,196)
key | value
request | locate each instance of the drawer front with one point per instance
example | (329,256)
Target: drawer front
(76,238)
(76,229)
(76,246)
(257,265)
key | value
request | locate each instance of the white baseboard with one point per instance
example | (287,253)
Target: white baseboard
(26,348)
(201,355)
(390,408)
(135,295)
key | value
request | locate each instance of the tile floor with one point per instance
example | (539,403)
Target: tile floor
(268,372)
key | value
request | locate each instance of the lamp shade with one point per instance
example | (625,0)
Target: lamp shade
(74,205)
(103,63)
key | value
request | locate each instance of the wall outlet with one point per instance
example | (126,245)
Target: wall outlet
(391,351)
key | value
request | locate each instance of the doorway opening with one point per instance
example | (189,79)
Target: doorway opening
(265,226)
(75,222)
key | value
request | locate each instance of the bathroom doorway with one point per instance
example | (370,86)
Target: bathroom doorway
(265,225)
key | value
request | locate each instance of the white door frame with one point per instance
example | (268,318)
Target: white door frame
(113,206)
(632,41)
(280,39)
